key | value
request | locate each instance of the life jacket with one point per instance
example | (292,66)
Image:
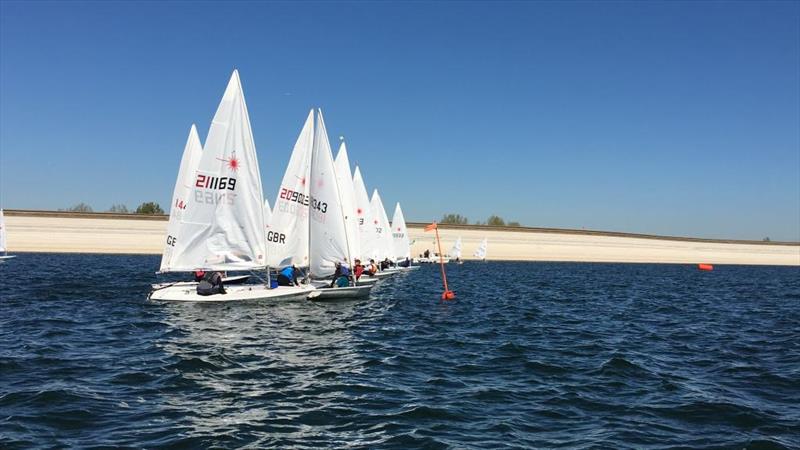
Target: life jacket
(288,272)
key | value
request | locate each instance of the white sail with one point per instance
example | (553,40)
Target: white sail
(366,224)
(481,251)
(288,229)
(402,248)
(222,227)
(455,252)
(2,232)
(328,239)
(385,246)
(347,194)
(267,213)
(183,187)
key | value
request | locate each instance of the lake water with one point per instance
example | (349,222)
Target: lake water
(529,355)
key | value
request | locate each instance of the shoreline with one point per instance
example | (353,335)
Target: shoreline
(111,233)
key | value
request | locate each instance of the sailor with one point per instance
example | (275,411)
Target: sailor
(288,276)
(371,269)
(427,253)
(198,275)
(341,277)
(358,269)
(210,284)
(405,263)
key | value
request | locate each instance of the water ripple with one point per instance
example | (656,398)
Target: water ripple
(530,355)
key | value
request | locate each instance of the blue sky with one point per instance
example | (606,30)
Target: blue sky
(678,118)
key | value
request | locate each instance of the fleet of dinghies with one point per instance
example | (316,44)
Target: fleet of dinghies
(220,221)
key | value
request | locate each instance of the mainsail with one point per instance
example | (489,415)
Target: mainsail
(288,229)
(368,239)
(455,252)
(183,186)
(385,246)
(481,251)
(347,193)
(328,234)
(402,249)
(222,227)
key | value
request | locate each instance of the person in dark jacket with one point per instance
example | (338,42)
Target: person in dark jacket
(288,276)
(341,277)
(211,284)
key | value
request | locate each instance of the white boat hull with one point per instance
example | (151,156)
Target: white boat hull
(7,257)
(241,292)
(239,279)
(432,260)
(328,293)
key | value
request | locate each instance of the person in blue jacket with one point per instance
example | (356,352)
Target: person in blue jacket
(288,276)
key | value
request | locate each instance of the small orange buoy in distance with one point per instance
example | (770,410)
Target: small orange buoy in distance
(448,295)
(705,267)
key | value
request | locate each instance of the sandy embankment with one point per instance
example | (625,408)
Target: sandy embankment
(58,232)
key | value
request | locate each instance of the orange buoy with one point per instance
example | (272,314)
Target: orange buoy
(705,267)
(448,295)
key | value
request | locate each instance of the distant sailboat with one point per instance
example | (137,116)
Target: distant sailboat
(480,253)
(344,178)
(402,248)
(385,247)
(368,237)
(3,244)
(222,227)
(455,252)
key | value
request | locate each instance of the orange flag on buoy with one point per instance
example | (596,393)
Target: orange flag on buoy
(431,227)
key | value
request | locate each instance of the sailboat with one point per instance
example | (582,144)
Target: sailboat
(402,247)
(344,178)
(183,185)
(329,234)
(455,252)
(222,227)
(4,255)
(480,253)
(384,248)
(368,237)
(287,238)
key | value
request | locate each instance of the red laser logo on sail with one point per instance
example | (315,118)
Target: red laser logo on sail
(233,162)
